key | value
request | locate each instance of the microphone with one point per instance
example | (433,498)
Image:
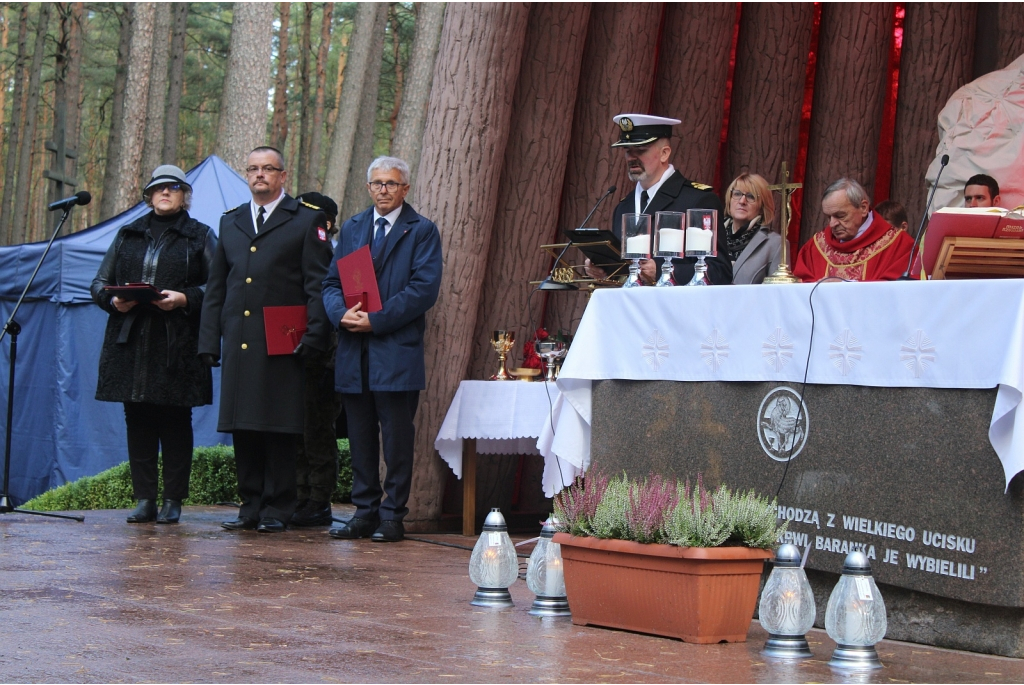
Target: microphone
(82,197)
(550,283)
(924,219)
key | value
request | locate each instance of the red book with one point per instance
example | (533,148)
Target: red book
(285,327)
(359,281)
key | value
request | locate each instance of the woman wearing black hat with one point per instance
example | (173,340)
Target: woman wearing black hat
(149,358)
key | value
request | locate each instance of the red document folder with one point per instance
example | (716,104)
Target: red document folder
(358,280)
(285,327)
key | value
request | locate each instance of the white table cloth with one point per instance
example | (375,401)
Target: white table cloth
(505,417)
(933,334)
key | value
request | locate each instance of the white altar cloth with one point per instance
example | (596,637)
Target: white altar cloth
(933,334)
(505,417)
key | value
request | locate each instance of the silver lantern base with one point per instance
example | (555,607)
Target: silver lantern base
(492,598)
(550,606)
(787,647)
(855,657)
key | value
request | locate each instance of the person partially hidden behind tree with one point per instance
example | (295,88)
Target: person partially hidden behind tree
(316,468)
(981,190)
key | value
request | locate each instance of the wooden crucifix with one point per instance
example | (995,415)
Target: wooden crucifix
(58,171)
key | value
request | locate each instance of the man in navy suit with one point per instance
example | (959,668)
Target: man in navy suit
(379,368)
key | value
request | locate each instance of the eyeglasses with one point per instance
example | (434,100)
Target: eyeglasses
(266,168)
(166,186)
(392,186)
(737,194)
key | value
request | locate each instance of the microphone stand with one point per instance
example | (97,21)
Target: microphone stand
(13,328)
(921,229)
(550,283)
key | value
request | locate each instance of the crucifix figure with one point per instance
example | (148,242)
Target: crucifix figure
(783,273)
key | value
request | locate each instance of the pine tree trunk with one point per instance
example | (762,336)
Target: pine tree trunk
(17,114)
(243,108)
(4,34)
(938,52)
(618,77)
(474,81)
(73,105)
(693,66)
(305,50)
(175,83)
(279,124)
(108,201)
(396,56)
(157,103)
(24,186)
(531,178)
(136,96)
(339,81)
(768,89)
(408,138)
(317,135)
(356,66)
(356,197)
(849,96)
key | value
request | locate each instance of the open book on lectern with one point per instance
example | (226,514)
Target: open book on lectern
(600,246)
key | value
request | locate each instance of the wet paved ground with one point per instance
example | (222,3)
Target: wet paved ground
(104,601)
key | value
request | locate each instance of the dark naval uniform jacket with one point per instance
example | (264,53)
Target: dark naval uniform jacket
(677,194)
(282,265)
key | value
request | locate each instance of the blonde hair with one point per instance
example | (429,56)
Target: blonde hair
(759,188)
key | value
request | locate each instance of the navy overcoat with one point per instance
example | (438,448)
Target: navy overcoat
(409,277)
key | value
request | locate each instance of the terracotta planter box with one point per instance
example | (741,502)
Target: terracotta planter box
(703,595)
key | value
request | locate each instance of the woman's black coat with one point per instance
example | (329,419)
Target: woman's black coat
(150,355)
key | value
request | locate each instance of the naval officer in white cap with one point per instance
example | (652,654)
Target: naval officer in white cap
(646,143)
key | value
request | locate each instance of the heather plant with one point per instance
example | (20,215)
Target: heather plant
(694,522)
(610,518)
(649,502)
(754,521)
(576,505)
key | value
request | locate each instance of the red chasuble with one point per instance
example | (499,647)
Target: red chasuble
(880,254)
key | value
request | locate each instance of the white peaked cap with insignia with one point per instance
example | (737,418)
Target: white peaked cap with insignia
(642,129)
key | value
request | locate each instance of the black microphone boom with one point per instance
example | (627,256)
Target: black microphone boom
(924,218)
(550,283)
(82,197)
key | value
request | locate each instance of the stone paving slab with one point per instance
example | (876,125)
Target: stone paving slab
(104,601)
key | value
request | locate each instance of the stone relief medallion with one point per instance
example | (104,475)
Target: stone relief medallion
(782,424)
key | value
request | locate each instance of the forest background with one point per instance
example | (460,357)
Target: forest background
(135,85)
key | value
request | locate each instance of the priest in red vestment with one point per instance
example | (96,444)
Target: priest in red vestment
(857,245)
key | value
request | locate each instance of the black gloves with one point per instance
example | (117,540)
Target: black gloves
(209,360)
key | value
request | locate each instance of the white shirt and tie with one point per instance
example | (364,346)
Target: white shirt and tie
(260,213)
(650,192)
(382,227)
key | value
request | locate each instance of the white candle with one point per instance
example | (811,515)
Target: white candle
(638,244)
(698,239)
(553,578)
(670,240)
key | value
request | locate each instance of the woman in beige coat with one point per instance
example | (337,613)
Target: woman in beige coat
(753,247)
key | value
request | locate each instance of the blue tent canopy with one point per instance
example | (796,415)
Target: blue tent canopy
(60,432)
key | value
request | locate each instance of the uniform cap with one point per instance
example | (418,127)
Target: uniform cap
(642,129)
(325,204)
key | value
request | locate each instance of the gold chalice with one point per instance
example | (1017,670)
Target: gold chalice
(502,342)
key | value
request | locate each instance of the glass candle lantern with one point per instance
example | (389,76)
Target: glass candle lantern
(787,607)
(636,244)
(668,240)
(701,240)
(494,566)
(544,575)
(855,617)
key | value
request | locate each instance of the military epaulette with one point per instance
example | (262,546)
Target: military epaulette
(244,204)
(309,205)
(700,186)
(624,197)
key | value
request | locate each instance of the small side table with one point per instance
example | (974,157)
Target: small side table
(491,417)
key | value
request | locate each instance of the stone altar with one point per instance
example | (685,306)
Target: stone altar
(908,474)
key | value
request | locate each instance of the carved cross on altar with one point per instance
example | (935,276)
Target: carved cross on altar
(783,274)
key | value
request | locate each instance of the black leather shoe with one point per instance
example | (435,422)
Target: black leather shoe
(145,512)
(170,512)
(313,514)
(240,523)
(389,531)
(355,527)
(269,525)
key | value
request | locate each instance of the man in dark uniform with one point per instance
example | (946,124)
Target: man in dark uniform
(380,369)
(273,252)
(646,143)
(316,470)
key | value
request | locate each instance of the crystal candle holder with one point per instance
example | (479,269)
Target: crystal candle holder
(636,245)
(701,241)
(669,238)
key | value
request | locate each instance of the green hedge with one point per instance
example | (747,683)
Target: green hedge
(213,480)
